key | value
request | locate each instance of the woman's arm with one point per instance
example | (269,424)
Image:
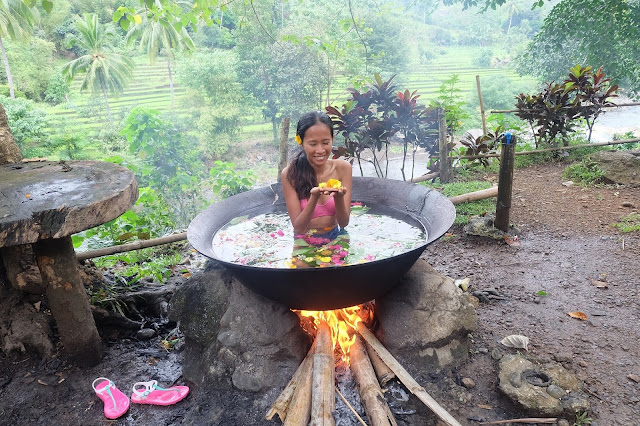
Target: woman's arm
(300,219)
(343,197)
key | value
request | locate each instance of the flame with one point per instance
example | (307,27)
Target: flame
(342,322)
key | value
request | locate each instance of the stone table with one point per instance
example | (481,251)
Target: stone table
(42,203)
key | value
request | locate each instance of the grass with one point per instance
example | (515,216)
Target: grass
(630,223)
(465,210)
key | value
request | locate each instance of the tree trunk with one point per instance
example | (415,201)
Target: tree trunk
(106,99)
(7,69)
(9,151)
(170,82)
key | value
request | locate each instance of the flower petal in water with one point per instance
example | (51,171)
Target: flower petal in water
(280,232)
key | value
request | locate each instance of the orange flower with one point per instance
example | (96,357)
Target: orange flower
(331,183)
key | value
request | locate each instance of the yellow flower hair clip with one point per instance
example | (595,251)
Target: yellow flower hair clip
(298,140)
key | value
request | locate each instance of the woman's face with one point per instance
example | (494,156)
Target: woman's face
(317,144)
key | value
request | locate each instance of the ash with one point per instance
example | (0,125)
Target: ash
(348,388)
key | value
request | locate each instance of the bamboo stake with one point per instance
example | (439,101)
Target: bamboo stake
(482,114)
(371,395)
(323,403)
(405,377)
(303,373)
(475,196)
(383,372)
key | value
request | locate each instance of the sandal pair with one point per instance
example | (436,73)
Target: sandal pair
(117,403)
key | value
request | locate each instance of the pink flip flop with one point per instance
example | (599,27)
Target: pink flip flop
(151,393)
(115,402)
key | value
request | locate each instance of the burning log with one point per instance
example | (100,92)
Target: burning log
(372,398)
(323,396)
(284,404)
(405,377)
(383,372)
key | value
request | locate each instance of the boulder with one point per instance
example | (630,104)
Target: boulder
(621,167)
(542,389)
(426,319)
(232,331)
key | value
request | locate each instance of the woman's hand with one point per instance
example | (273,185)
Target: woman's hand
(317,191)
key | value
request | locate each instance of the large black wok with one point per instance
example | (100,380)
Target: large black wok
(331,287)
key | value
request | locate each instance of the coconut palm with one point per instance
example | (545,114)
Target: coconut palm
(104,69)
(160,37)
(16,22)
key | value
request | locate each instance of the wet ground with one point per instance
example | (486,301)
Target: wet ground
(567,249)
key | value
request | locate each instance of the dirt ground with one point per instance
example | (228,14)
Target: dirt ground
(566,244)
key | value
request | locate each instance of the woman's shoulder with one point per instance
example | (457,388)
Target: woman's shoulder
(341,164)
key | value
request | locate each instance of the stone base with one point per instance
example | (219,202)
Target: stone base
(233,332)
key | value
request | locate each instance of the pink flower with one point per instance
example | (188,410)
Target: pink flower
(370,258)
(397,244)
(272,235)
(343,253)
(280,232)
(356,203)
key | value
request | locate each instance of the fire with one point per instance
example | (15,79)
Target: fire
(342,322)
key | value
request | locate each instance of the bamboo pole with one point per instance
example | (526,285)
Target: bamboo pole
(443,147)
(425,177)
(559,148)
(131,246)
(323,404)
(371,395)
(284,147)
(405,377)
(475,196)
(302,374)
(482,115)
(383,372)
(608,106)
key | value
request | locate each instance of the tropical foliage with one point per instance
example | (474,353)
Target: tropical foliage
(103,70)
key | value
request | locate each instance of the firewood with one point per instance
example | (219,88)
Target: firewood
(405,377)
(323,402)
(299,410)
(371,395)
(302,375)
(383,372)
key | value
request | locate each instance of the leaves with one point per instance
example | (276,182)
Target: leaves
(579,315)
(516,341)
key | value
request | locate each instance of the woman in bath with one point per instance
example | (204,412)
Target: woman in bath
(317,188)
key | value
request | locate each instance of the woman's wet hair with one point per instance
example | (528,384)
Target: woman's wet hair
(300,173)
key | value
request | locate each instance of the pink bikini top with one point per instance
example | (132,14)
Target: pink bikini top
(326,209)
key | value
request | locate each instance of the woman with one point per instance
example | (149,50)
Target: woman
(314,209)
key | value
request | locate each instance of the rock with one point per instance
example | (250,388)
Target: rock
(563,422)
(468,383)
(231,331)
(426,319)
(535,398)
(483,226)
(555,391)
(619,167)
(146,334)
(496,354)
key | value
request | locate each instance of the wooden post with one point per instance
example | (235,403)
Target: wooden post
(443,147)
(68,301)
(484,120)
(284,146)
(505,182)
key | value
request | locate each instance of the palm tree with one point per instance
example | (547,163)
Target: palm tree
(16,22)
(512,8)
(160,37)
(104,70)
